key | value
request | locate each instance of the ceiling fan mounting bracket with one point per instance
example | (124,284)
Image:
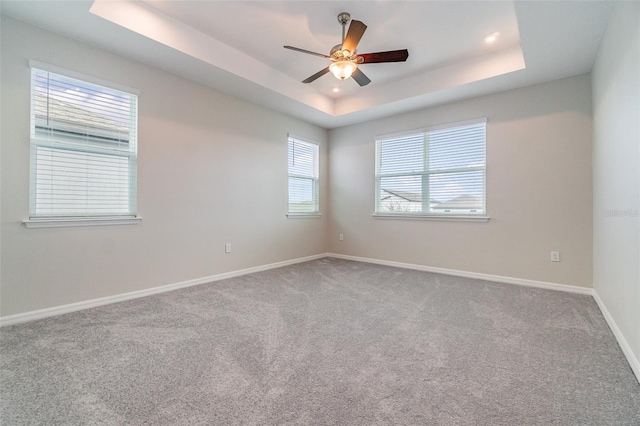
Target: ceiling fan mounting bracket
(344,18)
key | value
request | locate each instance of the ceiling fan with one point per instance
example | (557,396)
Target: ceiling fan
(345,60)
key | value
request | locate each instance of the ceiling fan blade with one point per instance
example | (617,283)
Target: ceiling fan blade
(297,49)
(379,57)
(356,29)
(360,78)
(316,75)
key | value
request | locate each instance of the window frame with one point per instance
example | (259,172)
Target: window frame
(291,138)
(44,220)
(425,173)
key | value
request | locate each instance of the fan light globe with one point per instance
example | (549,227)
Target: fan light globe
(342,69)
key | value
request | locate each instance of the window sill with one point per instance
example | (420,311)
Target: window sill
(303,215)
(446,218)
(81,221)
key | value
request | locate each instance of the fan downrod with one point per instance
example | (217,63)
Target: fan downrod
(343,18)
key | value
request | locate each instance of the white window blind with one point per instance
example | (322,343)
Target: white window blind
(83,148)
(303,165)
(438,171)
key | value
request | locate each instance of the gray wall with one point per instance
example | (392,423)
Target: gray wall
(539,194)
(616,172)
(212,169)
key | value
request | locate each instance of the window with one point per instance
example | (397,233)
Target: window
(439,171)
(83,148)
(303,177)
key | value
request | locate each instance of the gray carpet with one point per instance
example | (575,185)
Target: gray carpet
(327,342)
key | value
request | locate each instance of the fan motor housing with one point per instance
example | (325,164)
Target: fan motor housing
(336,51)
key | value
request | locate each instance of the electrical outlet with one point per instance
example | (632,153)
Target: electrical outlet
(555,256)
(341,237)
(227,248)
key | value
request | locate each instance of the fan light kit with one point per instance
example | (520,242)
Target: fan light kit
(345,59)
(342,69)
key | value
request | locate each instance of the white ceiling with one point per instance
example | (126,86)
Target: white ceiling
(236,47)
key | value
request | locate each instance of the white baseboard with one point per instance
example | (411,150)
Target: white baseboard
(78,306)
(634,363)
(477,275)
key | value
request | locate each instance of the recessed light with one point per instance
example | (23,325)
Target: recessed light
(491,37)
(336,89)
